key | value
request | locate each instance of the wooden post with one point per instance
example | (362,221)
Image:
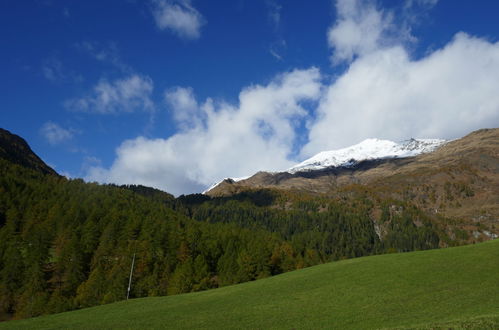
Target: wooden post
(130,279)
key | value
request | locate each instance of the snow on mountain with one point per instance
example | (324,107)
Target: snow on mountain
(219,182)
(367,150)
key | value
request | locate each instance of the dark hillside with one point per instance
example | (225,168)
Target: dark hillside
(15,149)
(66,244)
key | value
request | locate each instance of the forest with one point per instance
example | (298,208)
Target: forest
(66,244)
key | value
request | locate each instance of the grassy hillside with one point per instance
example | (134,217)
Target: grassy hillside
(454,287)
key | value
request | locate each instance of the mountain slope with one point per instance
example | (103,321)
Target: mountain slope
(350,157)
(460,179)
(479,149)
(66,244)
(444,288)
(15,149)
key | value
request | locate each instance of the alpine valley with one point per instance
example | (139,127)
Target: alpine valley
(66,244)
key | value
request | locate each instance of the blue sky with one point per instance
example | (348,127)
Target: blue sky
(179,94)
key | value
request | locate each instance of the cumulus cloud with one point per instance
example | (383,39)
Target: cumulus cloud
(362,27)
(225,140)
(184,106)
(55,134)
(446,94)
(178,16)
(121,95)
(384,92)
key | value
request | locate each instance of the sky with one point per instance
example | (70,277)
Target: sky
(179,94)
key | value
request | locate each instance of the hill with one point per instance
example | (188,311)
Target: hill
(66,244)
(16,150)
(446,288)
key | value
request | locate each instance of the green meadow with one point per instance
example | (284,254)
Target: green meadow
(445,288)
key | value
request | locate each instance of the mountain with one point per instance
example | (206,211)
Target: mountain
(15,149)
(66,244)
(370,149)
(456,179)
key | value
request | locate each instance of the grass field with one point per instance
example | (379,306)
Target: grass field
(447,288)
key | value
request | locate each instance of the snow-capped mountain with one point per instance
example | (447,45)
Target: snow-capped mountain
(390,168)
(367,150)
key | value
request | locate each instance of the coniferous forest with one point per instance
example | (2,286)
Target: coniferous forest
(66,244)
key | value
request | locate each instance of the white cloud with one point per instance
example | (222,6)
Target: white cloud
(225,140)
(178,16)
(55,134)
(385,94)
(362,28)
(184,105)
(121,95)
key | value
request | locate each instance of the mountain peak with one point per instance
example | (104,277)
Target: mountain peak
(368,149)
